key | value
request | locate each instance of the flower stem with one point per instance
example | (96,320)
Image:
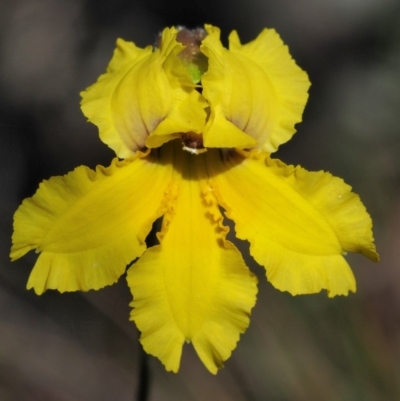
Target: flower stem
(144,377)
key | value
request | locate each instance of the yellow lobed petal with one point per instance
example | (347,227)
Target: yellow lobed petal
(88,225)
(299,224)
(144,92)
(194,286)
(256,91)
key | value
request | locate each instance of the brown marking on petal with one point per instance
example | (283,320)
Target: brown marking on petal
(193,143)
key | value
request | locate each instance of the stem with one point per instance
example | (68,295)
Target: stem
(144,377)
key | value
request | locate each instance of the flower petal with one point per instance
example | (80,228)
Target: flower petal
(256,91)
(88,225)
(194,286)
(299,224)
(143,93)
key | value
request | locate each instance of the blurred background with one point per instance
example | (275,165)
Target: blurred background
(310,348)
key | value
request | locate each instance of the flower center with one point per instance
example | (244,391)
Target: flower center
(193,143)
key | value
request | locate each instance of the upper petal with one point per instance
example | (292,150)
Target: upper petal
(299,224)
(256,91)
(194,286)
(144,92)
(88,225)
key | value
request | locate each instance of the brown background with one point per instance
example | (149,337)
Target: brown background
(81,347)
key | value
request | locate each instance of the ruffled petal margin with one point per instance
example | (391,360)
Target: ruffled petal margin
(145,98)
(299,224)
(88,225)
(194,286)
(262,107)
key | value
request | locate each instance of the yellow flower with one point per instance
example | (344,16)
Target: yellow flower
(228,109)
